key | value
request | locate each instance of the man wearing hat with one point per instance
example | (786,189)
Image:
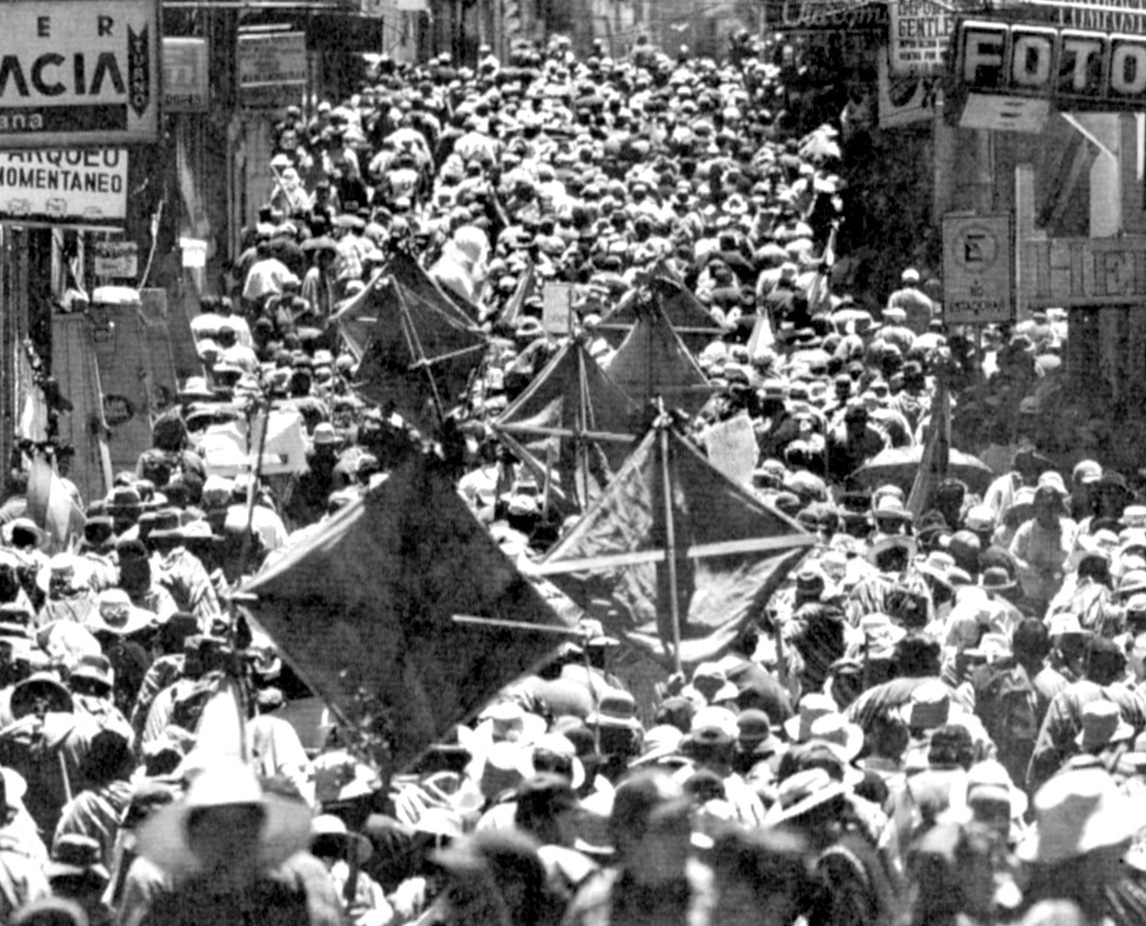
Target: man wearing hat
(854,443)
(918,309)
(1105,667)
(655,878)
(342,852)
(1042,545)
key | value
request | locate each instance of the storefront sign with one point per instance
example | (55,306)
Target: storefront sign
(116,260)
(185,87)
(272,68)
(1104,16)
(1080,70)
(87,188)
(920,33)
(1070,272)
(79,72)
(977,274)
(825,16)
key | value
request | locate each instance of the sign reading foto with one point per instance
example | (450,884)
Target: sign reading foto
(79,72)
(977,274)
(272,68)
(75,187)
(1078,69)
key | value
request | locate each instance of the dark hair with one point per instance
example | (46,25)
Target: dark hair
(1031,641)
(917,656)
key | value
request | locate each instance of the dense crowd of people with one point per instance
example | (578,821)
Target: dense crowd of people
(938,719)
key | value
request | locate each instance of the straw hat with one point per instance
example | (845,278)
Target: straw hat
(802,792)
(1079,811)
(225,782)
(1102,724)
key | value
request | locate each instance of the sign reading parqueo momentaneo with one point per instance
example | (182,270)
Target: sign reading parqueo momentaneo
(85,187)
(79,72)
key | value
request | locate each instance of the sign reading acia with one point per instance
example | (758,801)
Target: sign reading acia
(79,72)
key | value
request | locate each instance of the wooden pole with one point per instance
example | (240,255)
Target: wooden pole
(670,534)
(583,425)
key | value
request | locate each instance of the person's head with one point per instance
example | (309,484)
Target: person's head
(1047,506)
(1105,661)
(917,655)
(1031,642)
(650,827)
(761,876)
(547,809)
(494,878)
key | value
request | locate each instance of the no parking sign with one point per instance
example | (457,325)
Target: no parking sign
(978,279)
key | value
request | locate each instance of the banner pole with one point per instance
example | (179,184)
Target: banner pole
(670,534)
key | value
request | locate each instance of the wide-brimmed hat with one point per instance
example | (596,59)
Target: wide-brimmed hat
(1078,811)
(1102,724)
(75,855)
(25,525)
(114,613)
(163,838)
(843,737)
(80,571)
(992,647)
(891,542)
(711,683)
(196,389)
(812,707)
(615,708)
(989,781)
(95,669)
(36,686)
(997,580)
(802,792)
(660,743)
(551,748)
(509,721)
(928,707)
(331,829)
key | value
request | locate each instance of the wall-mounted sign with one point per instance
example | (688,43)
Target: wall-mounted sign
(1072,272)
(977,269)
(185,86)
(77,187)
(920,33)
(116,260)
(824,15)
(1102,16)
(79,72)
(1079,70)
(272,68)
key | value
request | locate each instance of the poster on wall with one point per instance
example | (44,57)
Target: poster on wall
(920,33)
